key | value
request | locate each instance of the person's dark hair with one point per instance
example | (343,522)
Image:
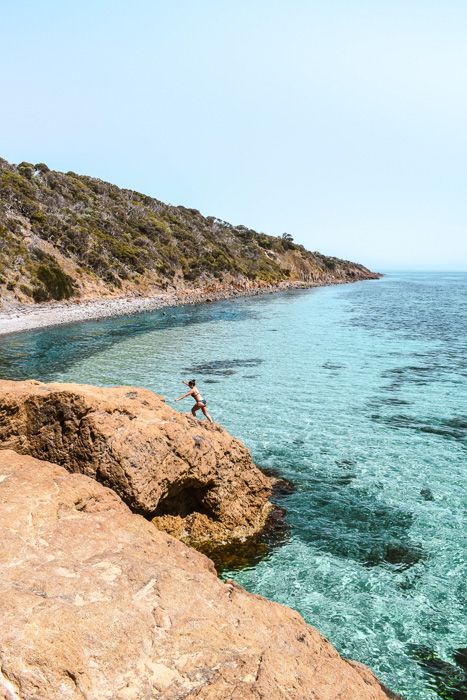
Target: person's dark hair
(192,382)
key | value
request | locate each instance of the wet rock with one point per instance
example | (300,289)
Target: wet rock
(246,553)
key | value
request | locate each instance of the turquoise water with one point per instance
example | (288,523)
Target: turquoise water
(355,393)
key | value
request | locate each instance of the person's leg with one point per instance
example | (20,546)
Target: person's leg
(194,409)
(205,411)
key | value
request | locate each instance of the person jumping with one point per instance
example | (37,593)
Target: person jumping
(200,403)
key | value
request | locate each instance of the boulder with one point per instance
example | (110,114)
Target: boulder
(98,604)
(196,481)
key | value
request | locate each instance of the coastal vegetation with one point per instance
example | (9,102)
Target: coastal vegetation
(63,234)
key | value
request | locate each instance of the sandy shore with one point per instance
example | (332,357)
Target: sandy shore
(24,318)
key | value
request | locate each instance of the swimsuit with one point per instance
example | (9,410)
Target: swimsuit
(198,398)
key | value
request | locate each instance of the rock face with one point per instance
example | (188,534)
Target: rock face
(98,604)
(193,478)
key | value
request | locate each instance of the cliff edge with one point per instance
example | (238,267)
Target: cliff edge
(192,478)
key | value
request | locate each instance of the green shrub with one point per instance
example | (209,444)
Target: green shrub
(40,294)
(26,290)
(264,241)
(26,169)
(38,217)
(56,283)
(14,184)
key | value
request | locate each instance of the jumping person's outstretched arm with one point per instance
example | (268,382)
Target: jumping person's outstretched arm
(189,393)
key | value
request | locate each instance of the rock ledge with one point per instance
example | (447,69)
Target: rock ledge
(193,479)
(97,604)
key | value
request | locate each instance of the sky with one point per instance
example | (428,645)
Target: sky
(342,122)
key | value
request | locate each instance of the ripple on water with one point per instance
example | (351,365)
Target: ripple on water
(358,395)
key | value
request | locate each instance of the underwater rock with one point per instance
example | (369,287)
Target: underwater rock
(449,681)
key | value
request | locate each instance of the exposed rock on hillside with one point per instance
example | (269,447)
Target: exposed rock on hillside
(96,603)
(64,235)
(193,478)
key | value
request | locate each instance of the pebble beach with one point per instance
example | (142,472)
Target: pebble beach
(20,317)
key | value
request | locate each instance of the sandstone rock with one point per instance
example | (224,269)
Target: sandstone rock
(98,604)
(193,478)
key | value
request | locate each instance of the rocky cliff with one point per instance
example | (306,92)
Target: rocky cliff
(64,235)
(97,603)
(192,478)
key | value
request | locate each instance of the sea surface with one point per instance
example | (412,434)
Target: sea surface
(358,395)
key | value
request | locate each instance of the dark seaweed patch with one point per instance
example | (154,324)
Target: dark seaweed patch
(222,368)
(346,463)
(457,423)
(410,369)
(344,480)
(419,375)
(452,428)
(449,681)
(352,524)
(401,555)
(427,494)
(460,657)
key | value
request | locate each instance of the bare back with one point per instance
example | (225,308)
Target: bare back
(196,395)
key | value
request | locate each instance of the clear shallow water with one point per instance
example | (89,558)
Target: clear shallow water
(357,394)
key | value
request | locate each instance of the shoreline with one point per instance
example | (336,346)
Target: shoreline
(26,318)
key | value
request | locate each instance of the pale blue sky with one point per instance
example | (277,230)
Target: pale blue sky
(341,122)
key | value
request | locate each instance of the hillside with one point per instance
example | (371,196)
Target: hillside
(64,235)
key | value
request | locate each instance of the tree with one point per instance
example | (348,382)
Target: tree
(287,241)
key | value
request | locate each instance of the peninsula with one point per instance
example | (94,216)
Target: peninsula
(74,248)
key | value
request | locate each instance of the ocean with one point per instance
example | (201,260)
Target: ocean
(357,394)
